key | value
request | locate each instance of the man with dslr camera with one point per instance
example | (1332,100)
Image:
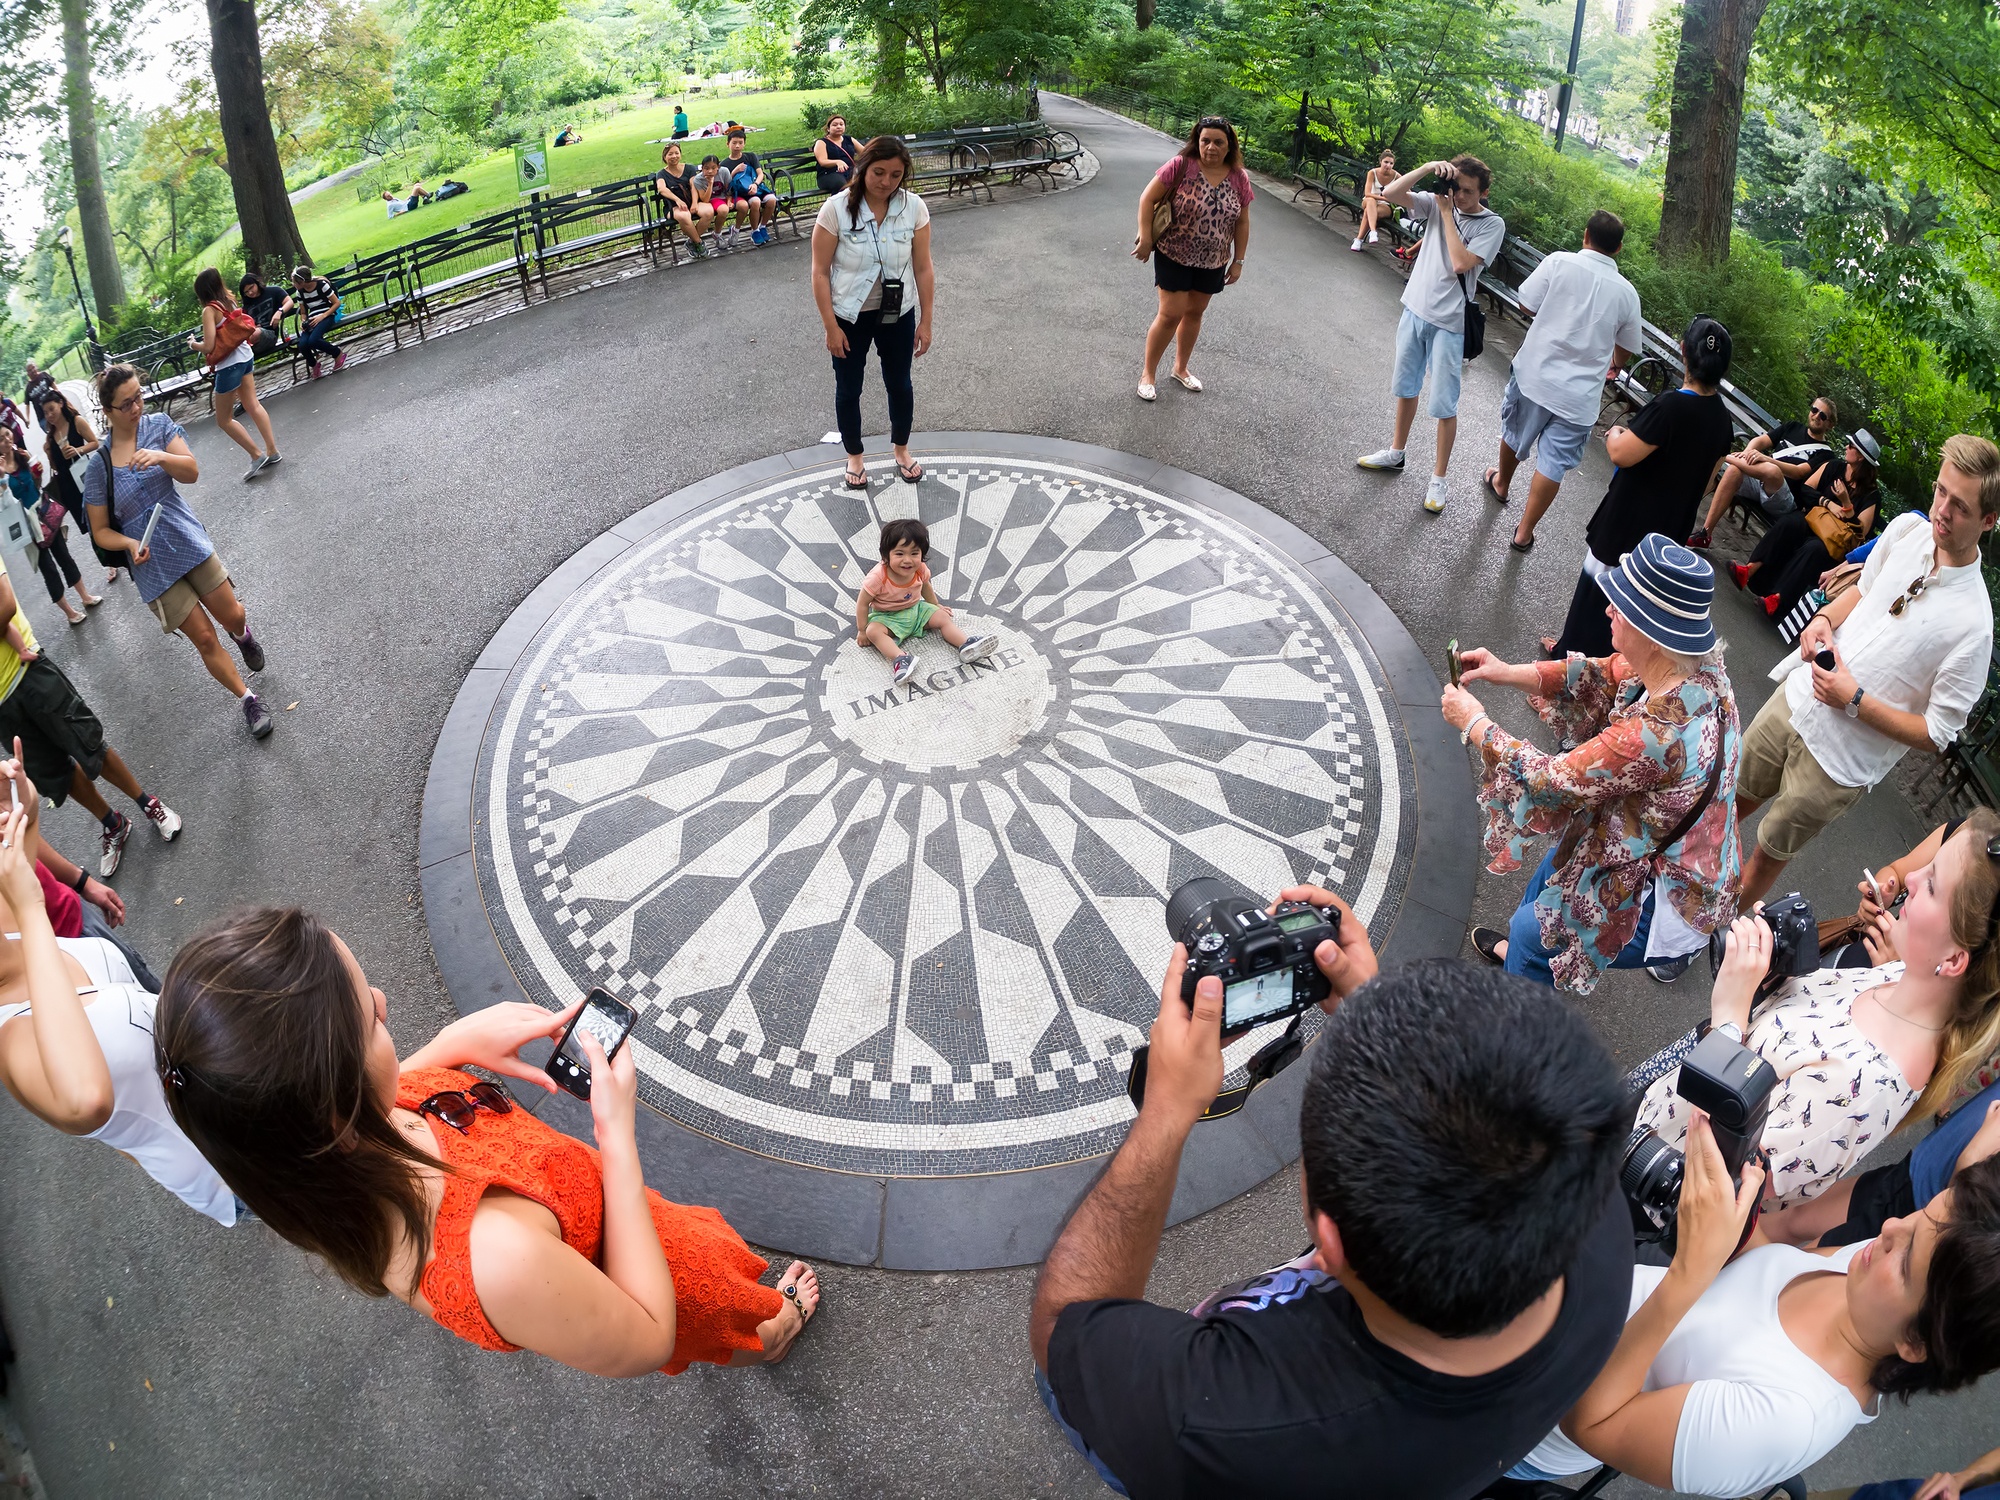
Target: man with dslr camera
(1471,1260)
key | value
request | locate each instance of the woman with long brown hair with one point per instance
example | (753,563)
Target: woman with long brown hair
(229,351)
(1203,247)
(417,1180)
(873,282)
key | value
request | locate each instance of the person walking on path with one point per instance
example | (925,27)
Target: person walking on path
(62,741)
(1373,205)
(1663,457)
(319,315)
(134,488)
(58,568)
(871,261)
(1463,239)
(1645,861)
(833,155)
(414,1179)
(1585,327)
(230,351)
(675,183)
(1910,644)
(1202,249)
(68,440)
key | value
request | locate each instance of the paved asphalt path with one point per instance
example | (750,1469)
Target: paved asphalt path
(422,497)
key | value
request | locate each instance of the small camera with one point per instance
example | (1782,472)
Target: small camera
(1263,958)
(1794,942)
(1731,1085)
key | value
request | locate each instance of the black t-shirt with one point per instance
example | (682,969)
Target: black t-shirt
(264,307)
(681,187)
(1794,435)
(1662,492)
(747,162)
(1292,1395)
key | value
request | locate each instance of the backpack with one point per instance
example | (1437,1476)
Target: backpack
(233,329)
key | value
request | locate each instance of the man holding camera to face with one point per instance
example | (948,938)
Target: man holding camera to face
(1471,1259)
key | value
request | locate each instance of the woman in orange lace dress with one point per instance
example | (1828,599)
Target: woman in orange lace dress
(413,1178)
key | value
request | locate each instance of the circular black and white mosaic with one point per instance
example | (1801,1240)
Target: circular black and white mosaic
(918,930)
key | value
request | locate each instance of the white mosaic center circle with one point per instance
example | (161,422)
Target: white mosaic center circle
(919,929)
(950,714)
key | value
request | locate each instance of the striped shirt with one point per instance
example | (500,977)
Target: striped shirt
(318,298)
(179,543)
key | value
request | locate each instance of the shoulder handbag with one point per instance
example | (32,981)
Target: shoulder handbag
(1163,211)
(233,328)
(1573,834)
(111,560)
(1839,534)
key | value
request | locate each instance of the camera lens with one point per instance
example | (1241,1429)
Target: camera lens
(1650,1178)
(1187,903)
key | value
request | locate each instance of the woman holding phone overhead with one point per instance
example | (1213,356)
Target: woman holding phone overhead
(412,1178)
(132,495)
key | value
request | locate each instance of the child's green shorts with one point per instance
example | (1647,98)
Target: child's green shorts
(905,623)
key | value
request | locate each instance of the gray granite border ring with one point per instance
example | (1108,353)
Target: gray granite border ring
(966,1222)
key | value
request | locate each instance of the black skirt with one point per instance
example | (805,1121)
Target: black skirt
(1169,275)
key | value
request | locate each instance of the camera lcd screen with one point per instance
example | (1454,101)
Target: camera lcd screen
(608,1027)
(1298,921)
(1256,999)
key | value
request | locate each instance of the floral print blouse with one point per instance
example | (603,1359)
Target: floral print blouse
(1838,1094)
(1640,764)
(1204,229)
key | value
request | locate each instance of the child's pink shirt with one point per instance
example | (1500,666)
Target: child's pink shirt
(889,599)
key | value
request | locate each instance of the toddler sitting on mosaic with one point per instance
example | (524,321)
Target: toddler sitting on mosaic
(897,604)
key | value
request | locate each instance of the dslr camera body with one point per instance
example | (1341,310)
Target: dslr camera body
(1794,942)
(1731,1085)
(1263,958)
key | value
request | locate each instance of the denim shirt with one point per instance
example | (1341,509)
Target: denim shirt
(869,251)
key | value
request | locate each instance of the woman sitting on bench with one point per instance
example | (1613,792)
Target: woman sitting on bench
(1843,502)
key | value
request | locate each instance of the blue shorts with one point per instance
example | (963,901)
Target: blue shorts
(231,376)
(1421,346)
(1111,1481)
(1557,441)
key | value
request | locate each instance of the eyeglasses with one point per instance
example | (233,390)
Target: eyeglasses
(1821,411)
(459,1107)
(1909,596)
(138,400)
(1270,1060)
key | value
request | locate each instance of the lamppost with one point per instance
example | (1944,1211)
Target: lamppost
(1569,77)
(63,238)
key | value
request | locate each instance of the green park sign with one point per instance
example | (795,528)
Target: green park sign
(531,167)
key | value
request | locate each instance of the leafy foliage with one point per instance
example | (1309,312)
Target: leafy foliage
(870,115)
(962,41)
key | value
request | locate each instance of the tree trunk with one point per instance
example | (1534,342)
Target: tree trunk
(891,74)
(272,244)
(1143,13)
(100,250)
(1698,201)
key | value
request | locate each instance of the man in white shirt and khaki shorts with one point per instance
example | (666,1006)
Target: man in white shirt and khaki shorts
(1586,325)
(1910,643)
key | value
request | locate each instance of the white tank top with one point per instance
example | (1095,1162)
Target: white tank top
(121,1013)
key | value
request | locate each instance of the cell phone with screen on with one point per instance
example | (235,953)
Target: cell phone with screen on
(605,1017)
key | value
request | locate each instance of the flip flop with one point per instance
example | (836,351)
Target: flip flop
(860,483)
(1494,489)
(909,474)
(1527,546)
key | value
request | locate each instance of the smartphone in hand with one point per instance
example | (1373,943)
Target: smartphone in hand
(605,1017)
(1451,661)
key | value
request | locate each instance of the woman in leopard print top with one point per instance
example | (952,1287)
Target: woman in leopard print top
(1204,245)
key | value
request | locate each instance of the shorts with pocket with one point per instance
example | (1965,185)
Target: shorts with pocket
(228,377)
(185,592)
(1557,442)
(1779,770)
(905,623)
(57,730)
(1420,346)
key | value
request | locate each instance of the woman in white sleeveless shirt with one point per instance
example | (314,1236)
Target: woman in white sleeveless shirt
(76,1030)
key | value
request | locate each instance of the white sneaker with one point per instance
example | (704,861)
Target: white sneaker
(978,647)
(1386,458)
(1373,236)
(729,238)
(163,818)
(1436,495)
(1357,243)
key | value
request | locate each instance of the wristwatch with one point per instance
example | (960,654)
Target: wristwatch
(1731,1030)
(1854,704)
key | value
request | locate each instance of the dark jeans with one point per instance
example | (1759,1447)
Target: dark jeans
(1588,628)
(1788,560)
(94,925)
(313,337)
(897,343)
(58,567)
(1530,960)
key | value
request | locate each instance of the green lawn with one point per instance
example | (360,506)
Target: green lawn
(336,225)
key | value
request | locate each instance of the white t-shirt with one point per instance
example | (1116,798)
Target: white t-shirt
(1759,1410)
(121,1014)
(1436,293)
(1932,661)
(1583,311)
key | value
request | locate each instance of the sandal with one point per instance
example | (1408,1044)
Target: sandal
(857,481)
(1527,546)
(909,473)
(790,1292)
(1487,942)
(1493,489)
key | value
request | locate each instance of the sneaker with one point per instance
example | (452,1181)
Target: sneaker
(312,369)
(1437,494)
(340,361)
(253,654)
(272,460)
(1672,969)
(164,818)
(1774,605)
(256,468)
(729,238)
(1700,540)
(256,716)
(902,669)
(1373,237)
(1385,458)
(760,236)
(978,647)
(1356,245)
(1739,574)
(114,845)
